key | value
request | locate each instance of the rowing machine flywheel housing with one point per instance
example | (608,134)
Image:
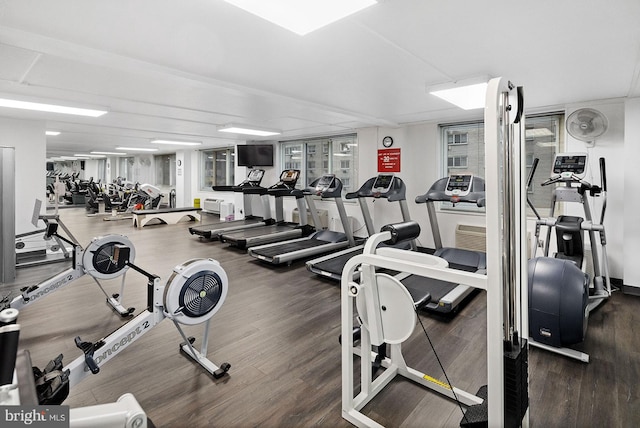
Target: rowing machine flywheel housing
(99,258)
(195,291)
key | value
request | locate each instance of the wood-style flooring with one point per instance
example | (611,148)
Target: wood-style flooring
(279,331)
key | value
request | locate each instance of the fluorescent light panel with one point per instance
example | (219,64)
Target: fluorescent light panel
(137,149)
(248,130)
(302,17)
(177,143)
(51,108)
(108,153)
(466,97)
(52,133)
(538,133)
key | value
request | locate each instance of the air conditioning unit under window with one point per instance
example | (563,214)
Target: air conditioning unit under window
(212,205)
(323,214)
(472,238)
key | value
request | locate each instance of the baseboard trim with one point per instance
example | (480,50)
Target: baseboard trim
(632,290)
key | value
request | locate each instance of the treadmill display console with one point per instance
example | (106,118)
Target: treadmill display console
(383,183)
(459,185)
(570,163)
(255,175)
(325,182)
(289,176)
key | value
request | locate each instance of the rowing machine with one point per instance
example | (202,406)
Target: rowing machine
(193,294)
(96,260)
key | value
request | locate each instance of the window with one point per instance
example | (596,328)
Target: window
(463,148)
(457,162)
(102,170)
(125,168)
(317,156)
(165,170)
(455,137)
(217,168)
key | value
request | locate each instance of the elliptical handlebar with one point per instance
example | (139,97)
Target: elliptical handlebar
(603,184)
(603,174)
(534,166)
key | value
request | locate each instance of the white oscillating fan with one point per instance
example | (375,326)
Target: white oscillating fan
(587,124)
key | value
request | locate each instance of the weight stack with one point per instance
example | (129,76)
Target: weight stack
(516,392)
(516,385)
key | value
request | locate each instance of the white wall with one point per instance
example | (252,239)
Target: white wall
(631,205)
(611,146)
(28,138)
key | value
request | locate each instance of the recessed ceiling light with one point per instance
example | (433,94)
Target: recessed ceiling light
(177,143)
(137,149)
(52,133)
(108,153)
(51,108)
(249,130)
(302,17)
(466,97)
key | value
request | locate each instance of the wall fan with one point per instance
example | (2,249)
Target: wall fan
(586,125)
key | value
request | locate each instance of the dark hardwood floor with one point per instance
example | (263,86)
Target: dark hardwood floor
(279,331)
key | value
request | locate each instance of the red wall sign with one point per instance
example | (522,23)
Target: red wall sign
(388,160)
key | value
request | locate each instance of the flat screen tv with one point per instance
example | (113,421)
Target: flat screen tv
(255,155)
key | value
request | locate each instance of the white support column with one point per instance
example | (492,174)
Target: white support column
(184,166)
(7,215)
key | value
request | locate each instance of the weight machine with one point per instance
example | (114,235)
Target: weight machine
(386,310)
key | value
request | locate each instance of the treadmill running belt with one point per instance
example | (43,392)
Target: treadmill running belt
(419,285)
(279,250)
(335,265)
(256,231)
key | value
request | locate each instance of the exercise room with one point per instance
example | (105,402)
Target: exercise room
(399,213)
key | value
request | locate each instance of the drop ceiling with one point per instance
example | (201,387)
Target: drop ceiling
(179,70)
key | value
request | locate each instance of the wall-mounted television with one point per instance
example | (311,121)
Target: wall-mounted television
(255,155)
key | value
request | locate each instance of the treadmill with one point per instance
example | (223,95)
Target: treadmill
(385,186)
(250,186)
(280,230)
(322,241)
(446,296)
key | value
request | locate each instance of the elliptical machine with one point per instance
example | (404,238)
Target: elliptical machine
(562,293)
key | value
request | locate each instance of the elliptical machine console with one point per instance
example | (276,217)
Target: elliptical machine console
(570,166)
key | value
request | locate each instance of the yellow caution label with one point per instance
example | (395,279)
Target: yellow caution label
(437,382)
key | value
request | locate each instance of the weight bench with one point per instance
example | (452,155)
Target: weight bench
(165,215)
